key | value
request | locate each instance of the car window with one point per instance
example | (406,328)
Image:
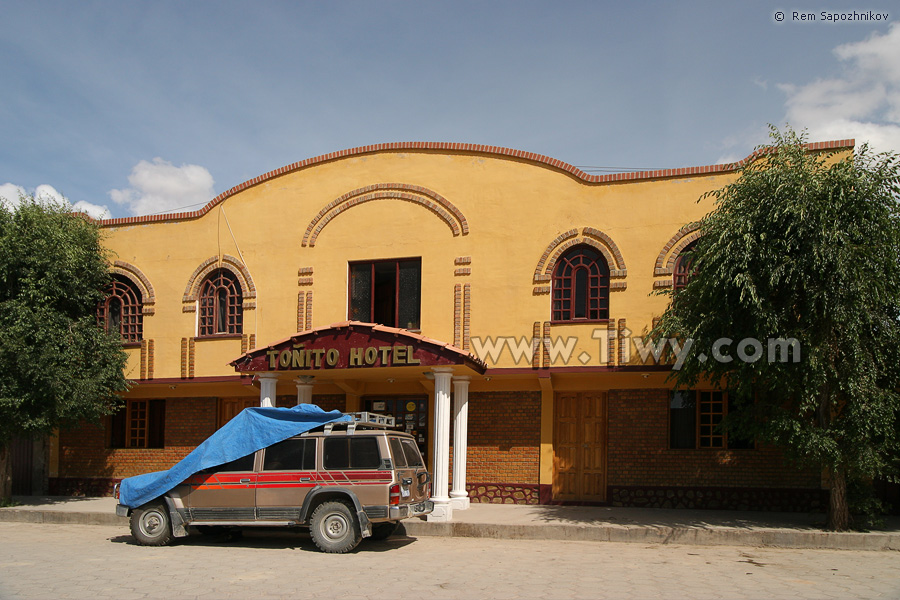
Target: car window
(291,455)
(397,452)
(244,463)
(351,453)
(413,457)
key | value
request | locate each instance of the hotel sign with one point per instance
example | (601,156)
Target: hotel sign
(354,346)
(300,357)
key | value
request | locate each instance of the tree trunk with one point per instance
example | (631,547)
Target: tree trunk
(5,473)
(838,508)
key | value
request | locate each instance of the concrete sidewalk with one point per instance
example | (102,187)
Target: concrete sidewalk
(577,523)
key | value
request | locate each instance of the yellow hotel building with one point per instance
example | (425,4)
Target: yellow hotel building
(492,300)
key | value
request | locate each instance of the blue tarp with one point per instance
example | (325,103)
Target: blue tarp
(251,430)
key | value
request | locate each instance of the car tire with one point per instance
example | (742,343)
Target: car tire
(334,528)
(382,531)
(151,525)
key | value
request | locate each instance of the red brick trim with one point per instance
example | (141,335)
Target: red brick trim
(248,288)
(191,357)
(457,315)
(611,343)
(543,272)
(301,321)
(467,315)
(545,346)
(672,249)
(150,358)
(494,151)
(137,277)
(416,194)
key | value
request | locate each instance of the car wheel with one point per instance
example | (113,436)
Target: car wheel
(150,525)
(382,531)
(334,528)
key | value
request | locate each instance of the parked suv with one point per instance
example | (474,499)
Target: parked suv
(345,481)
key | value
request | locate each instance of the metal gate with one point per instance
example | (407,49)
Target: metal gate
(22,457)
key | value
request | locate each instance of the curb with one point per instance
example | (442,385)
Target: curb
(642,534)
(776,538)
(60,517)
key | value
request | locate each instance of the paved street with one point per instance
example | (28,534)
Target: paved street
(83,561)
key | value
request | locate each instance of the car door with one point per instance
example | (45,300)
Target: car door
(411,472)
(226,493)
(287,475)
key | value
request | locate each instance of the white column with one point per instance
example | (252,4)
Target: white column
(304,390)
(267,384)
(459,497)
(443,511)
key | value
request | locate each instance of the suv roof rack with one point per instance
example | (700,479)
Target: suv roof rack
(364,419)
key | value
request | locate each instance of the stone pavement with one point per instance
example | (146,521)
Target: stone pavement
(103,562)
(571,523)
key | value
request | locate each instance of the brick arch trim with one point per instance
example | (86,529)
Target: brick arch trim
(431,200)
(477,149)
(248,288)
(140,281)
(665,261)
(588,235)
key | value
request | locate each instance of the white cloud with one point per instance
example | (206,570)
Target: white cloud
(862,103)
(92,210)
(49,193)
(10,194)
(160,186)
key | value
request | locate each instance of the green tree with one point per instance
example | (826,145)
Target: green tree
(803,245)
(57,367)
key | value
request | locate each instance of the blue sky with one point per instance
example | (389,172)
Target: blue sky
(148,107)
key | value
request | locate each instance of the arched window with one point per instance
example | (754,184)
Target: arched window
(122,310)
(683,268)
(581,285)
(221,304)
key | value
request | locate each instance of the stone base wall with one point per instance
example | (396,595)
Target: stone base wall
(719,498)
(503,493)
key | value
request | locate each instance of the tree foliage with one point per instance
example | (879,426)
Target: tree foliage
(57,367)
(803,245)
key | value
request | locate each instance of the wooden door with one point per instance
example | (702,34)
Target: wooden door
(579,446)
(230,407)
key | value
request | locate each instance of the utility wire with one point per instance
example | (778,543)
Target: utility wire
(618,169)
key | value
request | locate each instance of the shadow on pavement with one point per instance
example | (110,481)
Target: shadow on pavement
(270,539)
(661,517)
(51,500)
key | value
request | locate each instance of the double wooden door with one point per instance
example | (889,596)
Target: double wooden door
(579,445)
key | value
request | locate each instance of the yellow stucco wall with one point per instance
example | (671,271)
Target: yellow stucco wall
(514,209)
